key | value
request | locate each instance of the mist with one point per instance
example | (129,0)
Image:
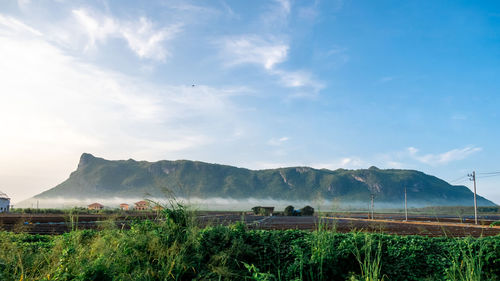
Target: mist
(215,203)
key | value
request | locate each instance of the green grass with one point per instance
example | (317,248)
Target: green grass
(172,247)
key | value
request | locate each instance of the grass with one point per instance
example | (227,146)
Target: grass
(369,257)
(467,263)
(172,247)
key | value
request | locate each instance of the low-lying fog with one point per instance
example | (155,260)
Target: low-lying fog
(215,204)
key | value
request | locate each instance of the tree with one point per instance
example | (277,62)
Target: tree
(289,211)
(307,211)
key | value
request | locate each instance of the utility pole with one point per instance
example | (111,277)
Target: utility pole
(406,207)
(472,177)
(372,196)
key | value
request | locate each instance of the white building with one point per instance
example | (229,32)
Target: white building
(4,202)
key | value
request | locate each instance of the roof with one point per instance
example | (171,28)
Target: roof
(3,195)
(96,204)
(141,203)
(123,204)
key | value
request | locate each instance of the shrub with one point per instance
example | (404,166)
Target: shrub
(307,211)
(289,211)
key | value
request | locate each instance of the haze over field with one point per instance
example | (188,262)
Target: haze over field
(260,85)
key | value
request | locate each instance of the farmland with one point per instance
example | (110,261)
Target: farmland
(176,244)
(390,223)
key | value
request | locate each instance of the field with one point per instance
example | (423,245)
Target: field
(390,223)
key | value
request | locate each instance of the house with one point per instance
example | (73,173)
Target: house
(157,208)
(4,202)
(141,205)
(264,211)
(95,206)
(124,206)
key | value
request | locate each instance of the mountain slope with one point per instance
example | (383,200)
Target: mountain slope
(100,178)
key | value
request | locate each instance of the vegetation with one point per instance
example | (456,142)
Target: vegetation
(307,211)
(173,248)
(263,211)
(97,177)
(289,211)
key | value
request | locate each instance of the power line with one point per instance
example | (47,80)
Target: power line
(488,176)
(460,178)
(490,173)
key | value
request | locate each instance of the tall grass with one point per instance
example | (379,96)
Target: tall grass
(467,262)
(369,257)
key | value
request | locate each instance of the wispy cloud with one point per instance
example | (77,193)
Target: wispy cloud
(386,79)
(304,81)
(254,49)
(277,15)
(285,5)
(277,141)
(142,36)
(50,97)
(352,162)
(269,53)
(445,157)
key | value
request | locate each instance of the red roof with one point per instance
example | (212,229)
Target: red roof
(95,205)
(141,203)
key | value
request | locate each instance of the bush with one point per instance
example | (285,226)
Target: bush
(261,211)
(307,211)
(289,211)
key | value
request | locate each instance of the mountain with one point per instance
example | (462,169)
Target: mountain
(100,178)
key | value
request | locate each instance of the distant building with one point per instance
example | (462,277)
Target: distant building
(264,211)
(95,206)
(4,203)
(157,208)
(141,205)
(124,207)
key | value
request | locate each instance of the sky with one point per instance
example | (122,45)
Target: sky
(254,84)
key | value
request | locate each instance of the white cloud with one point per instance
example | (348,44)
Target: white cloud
(54,106)
(303,80)
(277,141)
(285,5)
(268,53)
(445,157)
(142,36)
(352,162)
(253,49)
(11,26)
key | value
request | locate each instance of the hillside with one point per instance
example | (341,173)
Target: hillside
(99,178)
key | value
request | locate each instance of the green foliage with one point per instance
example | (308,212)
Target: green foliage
(466,262)
(103,178)
(263,211)
(307,211)
(289,211)
(369,259)
(173,248)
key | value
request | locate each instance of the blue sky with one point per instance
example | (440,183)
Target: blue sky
(327,84)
